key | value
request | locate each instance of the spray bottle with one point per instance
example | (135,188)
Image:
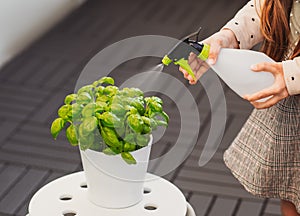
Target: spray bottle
(232,66)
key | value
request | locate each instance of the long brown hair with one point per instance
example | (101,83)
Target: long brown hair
(275,28)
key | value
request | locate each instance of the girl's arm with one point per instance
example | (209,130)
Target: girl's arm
(291,70)
(246,24)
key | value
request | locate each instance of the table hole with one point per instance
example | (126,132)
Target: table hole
(83,185)
(150,207)
(65,197)
(69,213)
(147,190)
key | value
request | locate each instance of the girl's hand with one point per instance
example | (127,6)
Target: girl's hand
(276,92)
(224,38)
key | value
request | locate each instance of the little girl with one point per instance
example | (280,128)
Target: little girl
(265,156)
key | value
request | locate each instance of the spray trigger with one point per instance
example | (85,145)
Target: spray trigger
(179,54)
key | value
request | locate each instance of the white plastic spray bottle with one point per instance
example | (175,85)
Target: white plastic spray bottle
(233,65)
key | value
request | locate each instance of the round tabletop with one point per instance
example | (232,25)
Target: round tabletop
(67,196)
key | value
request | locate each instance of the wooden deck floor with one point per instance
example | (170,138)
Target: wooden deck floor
(33,85)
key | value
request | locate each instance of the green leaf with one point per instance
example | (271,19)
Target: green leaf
(87,89)
(146,129)
(106,80)
(130,138)
(161,123)
(128,158)
(117,109)
(56,127)
(128,147)
(139,105)
(131,92)
(98,144)
(88,110)
(99,90)
(65,112)
(72,135)
(88,125)
(153,124)
(101,107)
(155,106)
(131,109)
(142,140)
(165,116)
(84,98)
(110,90)
(146,120)
(103,98)
(76,111)
(135,122)
(109,119)
(108,151)
(70,98)
(86,141)
(110,137)
(157,100)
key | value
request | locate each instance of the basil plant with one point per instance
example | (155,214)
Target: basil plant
(102,117)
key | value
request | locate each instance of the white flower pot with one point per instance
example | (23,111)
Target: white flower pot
(112,183)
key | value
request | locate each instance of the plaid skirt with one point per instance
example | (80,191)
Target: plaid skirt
(265,156)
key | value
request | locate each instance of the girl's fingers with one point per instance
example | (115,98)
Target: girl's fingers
(278,88)
(192,82)
(214,51)
(192,57)
(268,103)
(201,70)
(187,76)
(261,94)
(271,67)
(185,73)
(195,64)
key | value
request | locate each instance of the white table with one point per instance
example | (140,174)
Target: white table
(67,196)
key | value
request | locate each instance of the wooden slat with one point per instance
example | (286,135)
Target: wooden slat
(211,188)
(247,208)
(7,127)
(8,177)
(16,196)
(223,207)
(200,203)
(38,161)
(38,149)
(201,175)
(273,207)
(23,209)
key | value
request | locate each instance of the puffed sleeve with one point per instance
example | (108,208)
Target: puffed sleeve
(246,25)
(291,69)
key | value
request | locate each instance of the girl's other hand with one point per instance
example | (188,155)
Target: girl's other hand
(276,92)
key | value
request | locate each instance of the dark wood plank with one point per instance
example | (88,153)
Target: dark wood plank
(223,206)
(9,176)
(211,188)
(248,208)
(16,196)
(273,207)
(23,209)
(200,203)
(38,161)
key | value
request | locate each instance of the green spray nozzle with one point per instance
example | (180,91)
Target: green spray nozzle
(180,53)
(166,60)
